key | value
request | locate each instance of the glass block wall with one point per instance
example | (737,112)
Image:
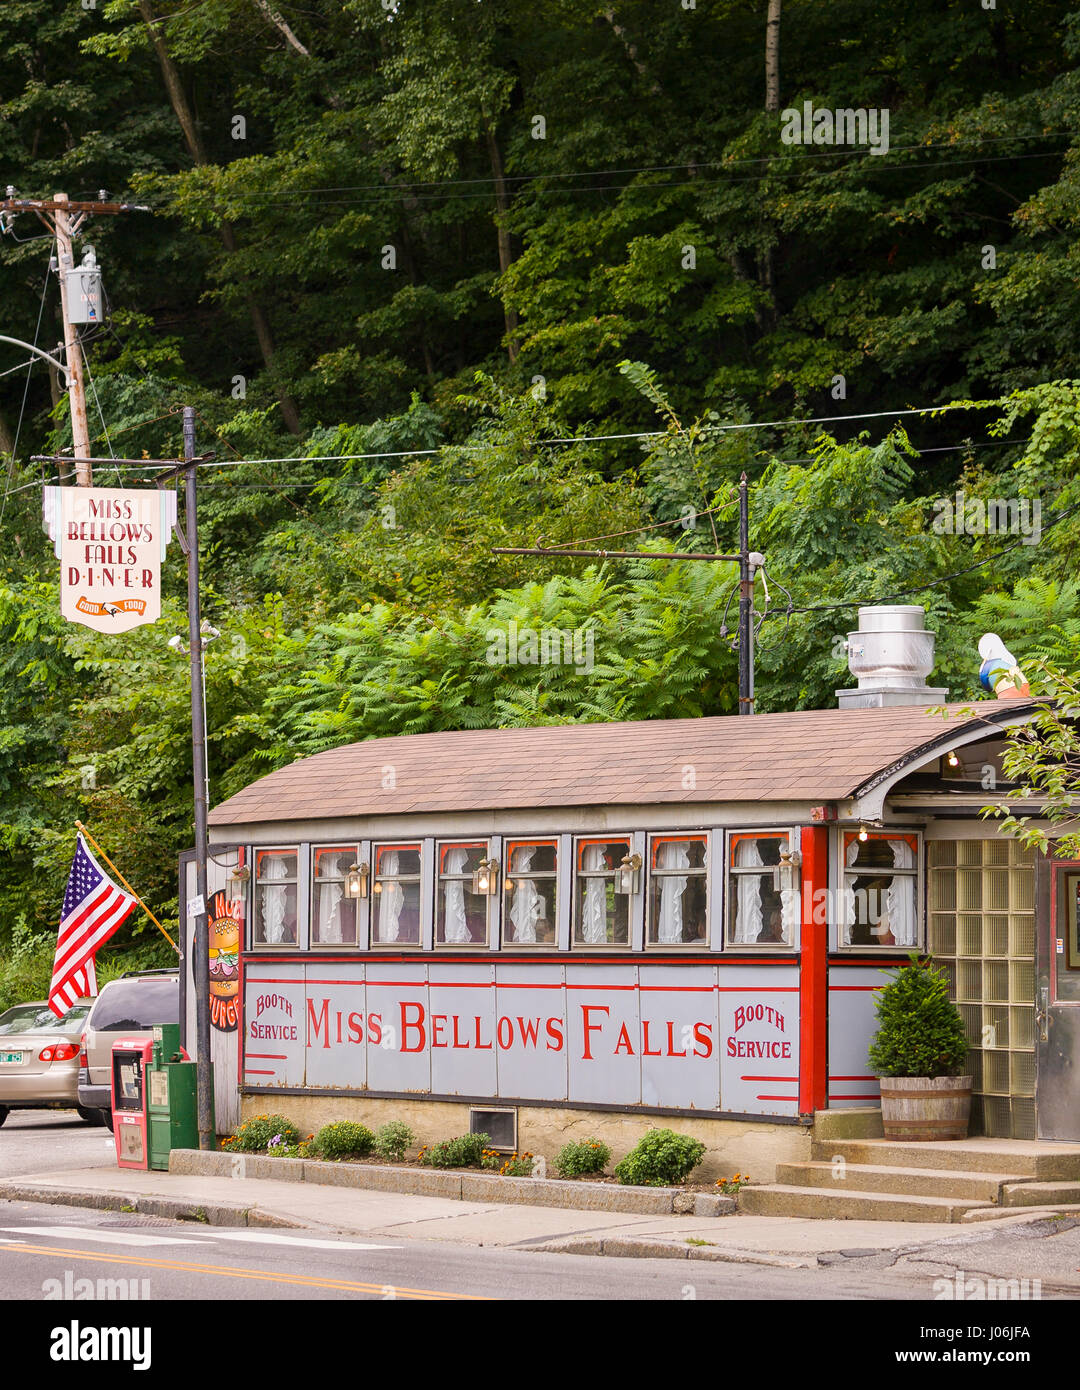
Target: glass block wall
(981,909)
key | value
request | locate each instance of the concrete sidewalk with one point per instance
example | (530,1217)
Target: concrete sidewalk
(226,1201)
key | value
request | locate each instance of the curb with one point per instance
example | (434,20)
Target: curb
(214,1214)
(461,1185)
(637,1248)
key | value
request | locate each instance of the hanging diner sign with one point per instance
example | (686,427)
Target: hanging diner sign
(110,542)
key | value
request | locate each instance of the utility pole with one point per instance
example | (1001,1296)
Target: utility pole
(746,606)
(64,219)
(205,1076)
(80,429)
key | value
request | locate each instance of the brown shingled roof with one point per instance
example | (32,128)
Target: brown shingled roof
(805,755)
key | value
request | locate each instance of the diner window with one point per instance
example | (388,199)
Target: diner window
(396,895)
(677,890)
(275,897)
(333,920)
(602,914)
(763,894)
(530,888)
(880,885)
(461,915)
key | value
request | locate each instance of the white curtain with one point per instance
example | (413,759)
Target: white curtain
(528,905)
(594,915)
(900,899)
(673,855)
(330,896)
(391,898)
(457,928)
(847,905)
(274,901)
(748,896)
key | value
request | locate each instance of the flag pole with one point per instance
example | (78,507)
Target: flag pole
(82,828)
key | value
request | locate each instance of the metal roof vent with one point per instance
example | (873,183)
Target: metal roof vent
(891,655)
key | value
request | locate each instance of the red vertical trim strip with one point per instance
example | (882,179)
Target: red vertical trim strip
(814,973)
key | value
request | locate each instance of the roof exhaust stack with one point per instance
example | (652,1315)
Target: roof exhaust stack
(891,655)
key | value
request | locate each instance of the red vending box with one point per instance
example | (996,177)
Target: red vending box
(131,1058)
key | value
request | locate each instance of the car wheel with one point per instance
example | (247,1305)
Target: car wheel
(106,1119)
(92,1117)
(3,1113)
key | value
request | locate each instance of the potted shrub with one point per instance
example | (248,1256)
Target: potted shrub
(919,1053)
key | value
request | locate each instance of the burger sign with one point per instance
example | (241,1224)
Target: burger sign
(224,937)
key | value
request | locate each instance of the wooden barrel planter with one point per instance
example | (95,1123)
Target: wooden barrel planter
(925,1107)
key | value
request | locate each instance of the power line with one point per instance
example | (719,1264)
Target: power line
(799,150)
(919,588)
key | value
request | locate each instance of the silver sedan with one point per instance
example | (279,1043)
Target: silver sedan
(39,1059)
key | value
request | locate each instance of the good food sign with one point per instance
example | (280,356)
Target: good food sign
(110,543)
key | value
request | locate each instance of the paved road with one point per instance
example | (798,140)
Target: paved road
(182,1260)
(44,1141)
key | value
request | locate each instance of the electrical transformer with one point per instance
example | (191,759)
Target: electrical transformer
(84,291)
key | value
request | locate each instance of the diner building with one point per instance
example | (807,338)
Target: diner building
(593,929)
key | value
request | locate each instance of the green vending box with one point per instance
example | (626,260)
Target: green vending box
(172,1114)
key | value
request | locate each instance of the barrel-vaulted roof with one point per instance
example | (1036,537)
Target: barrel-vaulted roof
(807,755)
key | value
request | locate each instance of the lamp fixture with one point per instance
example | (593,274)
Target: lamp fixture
(628,875)
(485,879)
(863,836)
(356,881)
(954,761)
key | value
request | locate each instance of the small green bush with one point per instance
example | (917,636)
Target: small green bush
(466,1151)
(393,1141)
(920,1030)
(342,1140)
(254,1135)
(662,1157)
(588,1156)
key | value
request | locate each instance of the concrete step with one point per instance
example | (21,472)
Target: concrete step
(1062,1209)
(1040,1194)
(855,1206)
(900,1182)
(1026,1158)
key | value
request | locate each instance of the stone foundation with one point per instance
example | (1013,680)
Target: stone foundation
(731,1146)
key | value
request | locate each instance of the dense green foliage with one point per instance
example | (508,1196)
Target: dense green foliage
(463,1151)
(362,264)
(254,1135)
(579,1157)
(393,1141)
(344,1139)
(920,1031)
(660,1158)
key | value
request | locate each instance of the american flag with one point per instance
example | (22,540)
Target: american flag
(93,909)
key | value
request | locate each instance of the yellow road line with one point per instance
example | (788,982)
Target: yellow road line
(271,1276)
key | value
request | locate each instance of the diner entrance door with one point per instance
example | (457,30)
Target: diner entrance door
(1057,1000)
